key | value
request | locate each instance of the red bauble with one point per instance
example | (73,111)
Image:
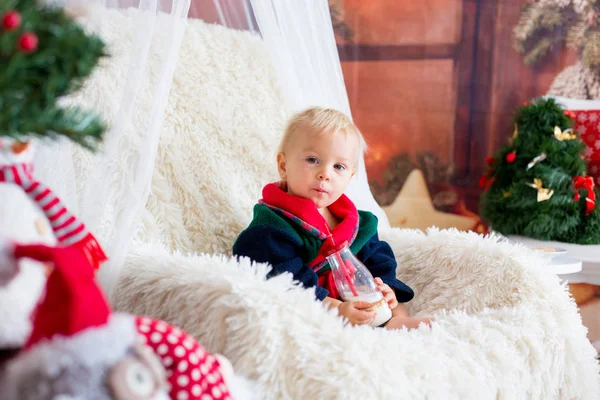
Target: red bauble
(28,42)
(482,181)
(570,114)
(11,20)
(490,160)
(510,157)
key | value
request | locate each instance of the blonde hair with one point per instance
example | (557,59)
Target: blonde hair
(323,121)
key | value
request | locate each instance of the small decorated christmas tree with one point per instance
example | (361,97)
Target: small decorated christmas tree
(45,55)
(536,185)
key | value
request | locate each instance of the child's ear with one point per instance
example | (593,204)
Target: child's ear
(281,165)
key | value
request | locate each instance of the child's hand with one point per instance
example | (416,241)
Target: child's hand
(388,293)
(355,312)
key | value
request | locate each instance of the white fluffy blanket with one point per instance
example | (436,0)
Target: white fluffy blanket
(504,329)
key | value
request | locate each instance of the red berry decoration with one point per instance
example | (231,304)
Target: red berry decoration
(11,20)
(482,181)
(28,42)
(510,157)
(485,182)
(490,160)
(570,114)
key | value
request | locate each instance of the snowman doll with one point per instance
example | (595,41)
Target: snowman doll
(31,213)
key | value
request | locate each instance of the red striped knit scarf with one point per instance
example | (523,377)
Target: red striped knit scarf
(69,231)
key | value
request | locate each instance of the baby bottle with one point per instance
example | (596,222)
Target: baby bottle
(354,282)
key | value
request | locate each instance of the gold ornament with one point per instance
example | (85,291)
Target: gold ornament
(536,160)
(564,135)
(543,193)
(506,194)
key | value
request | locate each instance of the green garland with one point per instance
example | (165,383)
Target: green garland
(45,55)
(511,204)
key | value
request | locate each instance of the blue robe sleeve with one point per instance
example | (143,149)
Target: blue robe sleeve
(267,244)
(379,259)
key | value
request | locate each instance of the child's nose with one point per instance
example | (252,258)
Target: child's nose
(324,175)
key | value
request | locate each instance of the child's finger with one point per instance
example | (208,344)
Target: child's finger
(360,305)
(362,314)
(378,281)
(383,287)
(368,321)
(365,317)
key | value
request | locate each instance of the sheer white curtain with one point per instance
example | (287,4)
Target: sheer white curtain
(302,42)
(130,90)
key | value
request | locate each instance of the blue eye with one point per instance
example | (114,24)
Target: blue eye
(312,160)
(340,167)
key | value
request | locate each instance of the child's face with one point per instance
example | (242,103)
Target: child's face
(319,167)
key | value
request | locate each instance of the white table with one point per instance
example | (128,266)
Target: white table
(563,265)
(581,263)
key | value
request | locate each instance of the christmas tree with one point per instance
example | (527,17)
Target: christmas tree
(536,185)
(44,56)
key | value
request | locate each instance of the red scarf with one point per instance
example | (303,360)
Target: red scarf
(305,213)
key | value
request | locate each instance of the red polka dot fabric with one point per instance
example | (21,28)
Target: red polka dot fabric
(193,373)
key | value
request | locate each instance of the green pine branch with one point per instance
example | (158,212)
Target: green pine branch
(543,27)
(538,51)
(340,27)
(32,84)
(590,54)
(576,34)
